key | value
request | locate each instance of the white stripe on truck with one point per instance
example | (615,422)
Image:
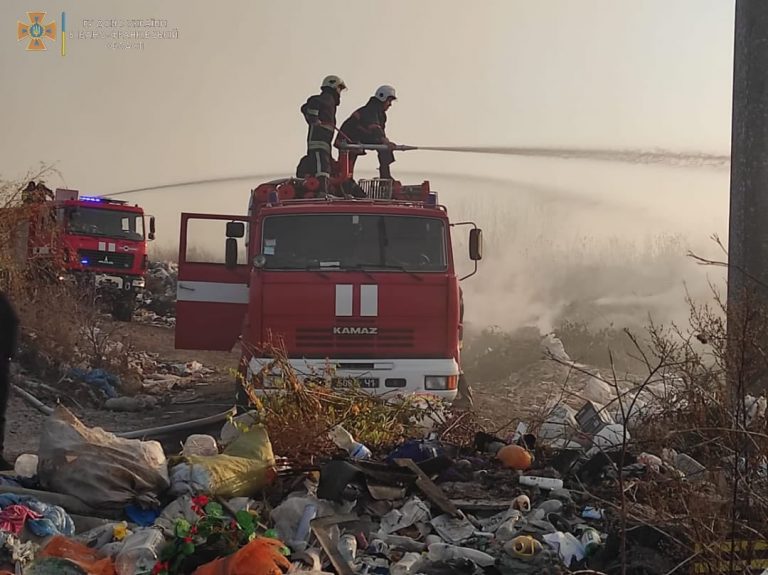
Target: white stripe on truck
(369,300)
(343,300)
(212,292)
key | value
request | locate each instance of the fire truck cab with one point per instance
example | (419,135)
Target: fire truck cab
(359,290)
(93,240)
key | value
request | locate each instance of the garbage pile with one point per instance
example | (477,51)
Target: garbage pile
(321,480)
(91,502)
(157,302)
(151,382)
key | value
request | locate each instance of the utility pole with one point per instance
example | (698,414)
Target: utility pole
(748,226)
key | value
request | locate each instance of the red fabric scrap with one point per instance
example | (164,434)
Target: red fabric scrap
(13,518)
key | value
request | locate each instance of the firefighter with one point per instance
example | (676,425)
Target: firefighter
(9,325)
(367,125)
(320,113)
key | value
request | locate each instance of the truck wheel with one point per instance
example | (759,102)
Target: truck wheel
(464,397)
(242,403)
(123,309)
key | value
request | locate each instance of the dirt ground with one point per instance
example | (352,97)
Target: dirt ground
(212,396)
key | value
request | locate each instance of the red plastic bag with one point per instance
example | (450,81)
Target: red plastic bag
(260,557)
(88,559)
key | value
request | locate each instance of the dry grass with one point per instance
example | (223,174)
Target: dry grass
(300,415)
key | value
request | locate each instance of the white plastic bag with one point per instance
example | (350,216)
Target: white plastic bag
(100,469)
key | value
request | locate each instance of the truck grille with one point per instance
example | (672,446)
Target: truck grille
(377,188)
(97,258)
(324,339)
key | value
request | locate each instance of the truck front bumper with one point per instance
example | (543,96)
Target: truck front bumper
(122,283)
(435,377)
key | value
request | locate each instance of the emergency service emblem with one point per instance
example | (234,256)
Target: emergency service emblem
(36,30)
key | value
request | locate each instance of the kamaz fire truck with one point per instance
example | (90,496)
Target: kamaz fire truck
(94,241)
(365,286)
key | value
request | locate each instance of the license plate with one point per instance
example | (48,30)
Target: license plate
(364,382)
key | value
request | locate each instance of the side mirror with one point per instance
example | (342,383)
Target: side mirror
(476,244)
(230,255)
(235,229)
(151,235)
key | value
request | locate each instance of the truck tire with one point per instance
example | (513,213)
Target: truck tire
(123,309)
(464,398)
(242,402)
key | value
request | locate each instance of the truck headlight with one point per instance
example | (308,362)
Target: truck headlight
(440,382)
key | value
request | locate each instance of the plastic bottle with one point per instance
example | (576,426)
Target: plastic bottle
(591,540)
(348,549)
(445,552)
(301,536)
(198,444)
(140,552)
(551,506)
(509,528)
(541,482)
(592,513)
(344,440)
(407,565)
(26,465)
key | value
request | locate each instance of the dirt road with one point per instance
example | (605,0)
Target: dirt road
(213,395)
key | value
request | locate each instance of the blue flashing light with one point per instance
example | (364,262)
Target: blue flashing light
(431,199)
(91,199)
(84,261)
(272,197)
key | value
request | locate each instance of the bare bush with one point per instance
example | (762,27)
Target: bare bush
(60,322)
(692,407)
(300,413)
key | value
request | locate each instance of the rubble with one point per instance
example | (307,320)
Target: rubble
(157,302)
(296,485)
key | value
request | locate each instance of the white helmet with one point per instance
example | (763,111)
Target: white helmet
(334,82)
(384,93)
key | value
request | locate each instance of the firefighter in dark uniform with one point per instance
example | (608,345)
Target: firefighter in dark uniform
(320,113)
(367,125)
(9,325)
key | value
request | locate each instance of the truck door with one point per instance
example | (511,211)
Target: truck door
(211,296)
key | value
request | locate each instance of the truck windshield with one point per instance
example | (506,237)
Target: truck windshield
(354,241)
(107,223)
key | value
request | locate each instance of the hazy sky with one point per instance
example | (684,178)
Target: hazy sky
(223,99)
(224,96)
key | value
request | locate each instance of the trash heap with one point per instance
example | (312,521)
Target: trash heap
(157,302)
(151,383)
(272,493)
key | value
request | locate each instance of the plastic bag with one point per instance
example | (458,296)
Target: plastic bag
(90,560)
(245,467)
(97,467)
(259,557)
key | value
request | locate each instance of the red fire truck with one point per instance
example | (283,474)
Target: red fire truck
(366,286)
(93,241)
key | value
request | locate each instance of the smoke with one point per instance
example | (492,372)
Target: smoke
(602,242)
(609,250)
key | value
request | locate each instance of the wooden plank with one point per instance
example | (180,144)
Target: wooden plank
(432,491)
(320,529)
(476,505)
